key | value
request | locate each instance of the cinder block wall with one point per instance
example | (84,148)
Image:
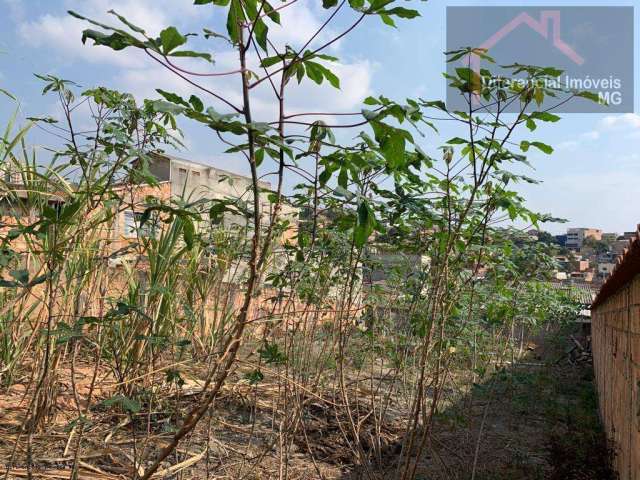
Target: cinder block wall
(616,358)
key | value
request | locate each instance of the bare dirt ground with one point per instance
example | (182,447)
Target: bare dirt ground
(533,420)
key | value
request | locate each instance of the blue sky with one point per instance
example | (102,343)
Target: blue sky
(591,179)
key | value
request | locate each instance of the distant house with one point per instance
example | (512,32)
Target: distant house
(16,208)
(175,178)
(561,275)
(386,267)
(583,264)
(577,236)
(605,269)
(193,181)
(586,276)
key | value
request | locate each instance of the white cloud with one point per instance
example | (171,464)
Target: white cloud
(570,145)
(134,72)
(592,135)
(140,75)
(299,23)
(625,121)
(61,33)
(355,85)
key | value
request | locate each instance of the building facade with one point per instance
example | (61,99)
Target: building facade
(577,236)
(193,182)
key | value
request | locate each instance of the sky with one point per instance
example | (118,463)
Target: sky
(592,179)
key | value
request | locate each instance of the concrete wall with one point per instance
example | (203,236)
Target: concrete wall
(616,358)
(195,181)
(133,197)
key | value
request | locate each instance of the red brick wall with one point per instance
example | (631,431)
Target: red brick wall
(616,358)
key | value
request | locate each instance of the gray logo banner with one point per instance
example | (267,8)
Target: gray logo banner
(593,46)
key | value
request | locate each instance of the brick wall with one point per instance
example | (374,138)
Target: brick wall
(616,357)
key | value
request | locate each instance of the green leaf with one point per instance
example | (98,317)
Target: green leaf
(271,13)
(594,97)
(235,18)
(188,232)
(259,156)
(402,12)
(318,73)
(189,53)
(260,31)
(531,125)
(171,39)
(314,72)
(6,92)
(196,103)
(271,354)
(133,27)
(172,97)
(270,61)
(543,147)
(343,178)
(471,77)
(116,41)
(127,404)
(370,114)
(167,107)
(21,276)
(365,224)
(545,116)
(387,20)
(216,212)
(393,148)
(331,77)
(211,34)
(324,177)
(254,377)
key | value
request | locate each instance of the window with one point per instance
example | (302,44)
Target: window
(182,172)
(132,225)
(195,173)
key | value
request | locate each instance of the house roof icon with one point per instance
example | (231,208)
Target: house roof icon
(542,28)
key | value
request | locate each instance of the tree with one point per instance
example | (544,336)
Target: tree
(547,238)
(597,246)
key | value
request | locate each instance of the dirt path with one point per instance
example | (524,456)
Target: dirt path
(534,420)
